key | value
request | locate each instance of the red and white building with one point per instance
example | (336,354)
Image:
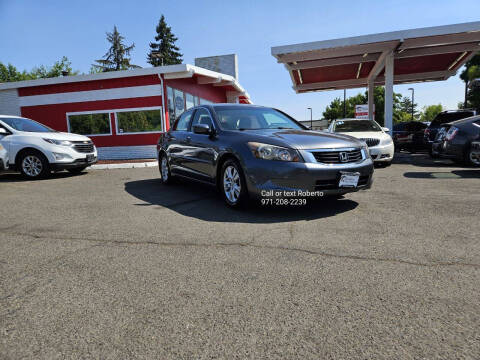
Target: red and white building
(123,112)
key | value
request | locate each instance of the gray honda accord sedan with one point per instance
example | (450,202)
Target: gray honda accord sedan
(254,152)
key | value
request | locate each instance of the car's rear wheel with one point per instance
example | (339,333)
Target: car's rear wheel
(34,165)
(473,157)
(76,170)
(164,168)
(233,185)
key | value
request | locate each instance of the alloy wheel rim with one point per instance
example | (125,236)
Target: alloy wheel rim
(475,157)
(164,169)
(32,166)
(231,184)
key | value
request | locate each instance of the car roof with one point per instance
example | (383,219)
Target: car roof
(11,116)
(465,121)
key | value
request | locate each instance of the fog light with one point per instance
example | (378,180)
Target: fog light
(61,156)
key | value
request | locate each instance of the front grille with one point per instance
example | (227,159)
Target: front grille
(83,146)
(371,141)
(333,183)
(338,157)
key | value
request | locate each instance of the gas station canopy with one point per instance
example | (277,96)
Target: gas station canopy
(425,54)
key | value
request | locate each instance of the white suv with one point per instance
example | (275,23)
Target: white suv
(35,149)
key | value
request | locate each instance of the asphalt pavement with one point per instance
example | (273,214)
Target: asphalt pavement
(111,264)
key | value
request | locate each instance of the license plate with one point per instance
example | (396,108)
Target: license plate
(90,158)
(348,179)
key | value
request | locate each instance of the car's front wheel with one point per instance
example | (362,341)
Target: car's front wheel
(473,157)
(164,168)
(34,165)
(233,186)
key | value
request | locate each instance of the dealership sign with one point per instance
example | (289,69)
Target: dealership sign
(361,111)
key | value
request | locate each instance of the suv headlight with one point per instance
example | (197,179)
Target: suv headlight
(272,152)
(59,142)
(366,151)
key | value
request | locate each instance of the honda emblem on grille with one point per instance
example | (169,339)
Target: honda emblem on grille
(343,156)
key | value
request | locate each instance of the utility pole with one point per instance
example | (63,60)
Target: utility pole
(413,99)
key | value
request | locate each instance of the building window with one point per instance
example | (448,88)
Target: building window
(196,99)
(171,105)
(138,121)
(205,102)
(89,124)
(189,101)
(179,102)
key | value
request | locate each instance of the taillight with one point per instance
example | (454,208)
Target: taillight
(451,133)
(426,132)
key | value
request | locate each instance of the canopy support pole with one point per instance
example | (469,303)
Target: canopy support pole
(371,88)
(389,92)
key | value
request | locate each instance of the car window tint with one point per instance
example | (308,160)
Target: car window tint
(448,117)
(183,121)
(202,116)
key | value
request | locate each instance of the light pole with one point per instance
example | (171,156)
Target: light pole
(311,118)
(413,99)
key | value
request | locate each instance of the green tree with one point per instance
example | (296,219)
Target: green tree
(405,106)
(164,46)
(10,73)
(117,56)
(470,72)
(429,112)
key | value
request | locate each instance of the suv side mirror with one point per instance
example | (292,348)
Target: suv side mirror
(202,129)
(385,129)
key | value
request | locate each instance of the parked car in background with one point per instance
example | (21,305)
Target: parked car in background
(35,149)
(459,141)
(3,158)
(409,136)
(444,117)
(248,151)
(379,142)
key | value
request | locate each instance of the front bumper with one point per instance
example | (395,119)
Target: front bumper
(263,176)
(382,153)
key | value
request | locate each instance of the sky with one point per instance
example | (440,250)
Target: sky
(33,33)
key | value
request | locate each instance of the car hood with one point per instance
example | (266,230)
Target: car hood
(305,139)
(55,135)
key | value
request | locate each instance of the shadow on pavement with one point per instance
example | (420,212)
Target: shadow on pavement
(455,174)
(204,203)
(17,177)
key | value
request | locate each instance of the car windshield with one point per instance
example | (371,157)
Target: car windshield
(356,126)
(22,124)
(254,119)
(444,118)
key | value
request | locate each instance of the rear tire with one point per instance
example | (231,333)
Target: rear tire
(232,184)
(34,165)
(164,169)
(472,157)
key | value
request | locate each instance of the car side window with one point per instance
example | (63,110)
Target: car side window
(183,121)
(202,116)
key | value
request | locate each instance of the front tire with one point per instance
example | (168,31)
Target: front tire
(34,165)
(164,168)
(233,185)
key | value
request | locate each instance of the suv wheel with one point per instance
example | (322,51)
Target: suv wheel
(164,168)
(233,186)
(473,157)
(34,165)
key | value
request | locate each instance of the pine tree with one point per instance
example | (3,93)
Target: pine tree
(117,57)
(168,52)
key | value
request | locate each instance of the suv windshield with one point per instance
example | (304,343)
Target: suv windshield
(254,119)
(22,124)
(443,118)
(356,126)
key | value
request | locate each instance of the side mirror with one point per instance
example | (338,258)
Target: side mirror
(4,131)
(203,129)
(385,129)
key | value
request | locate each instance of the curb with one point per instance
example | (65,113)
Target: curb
(124,165)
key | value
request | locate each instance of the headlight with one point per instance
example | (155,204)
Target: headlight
(272,152)
(366,151)
(59,142)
